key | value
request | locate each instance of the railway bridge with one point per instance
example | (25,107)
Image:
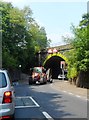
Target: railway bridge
(55,59)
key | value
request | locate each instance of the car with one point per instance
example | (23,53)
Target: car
(38,76)
(61,77)
(7,96)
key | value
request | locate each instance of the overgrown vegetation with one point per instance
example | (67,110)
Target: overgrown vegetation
(78,68)
(22,37)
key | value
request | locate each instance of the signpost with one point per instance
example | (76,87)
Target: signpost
(62,67)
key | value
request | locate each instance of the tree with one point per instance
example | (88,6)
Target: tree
(6,33)
(22,37)
(80,58)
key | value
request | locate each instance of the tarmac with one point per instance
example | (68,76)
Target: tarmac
(66,87)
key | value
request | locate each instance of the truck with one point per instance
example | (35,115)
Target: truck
(38,76)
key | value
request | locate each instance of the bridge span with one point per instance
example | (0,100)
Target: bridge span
(57,61)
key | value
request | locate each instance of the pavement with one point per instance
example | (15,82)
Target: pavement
(66,87)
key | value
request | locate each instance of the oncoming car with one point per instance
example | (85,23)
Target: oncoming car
(7,97)
(38,75)
(60,77)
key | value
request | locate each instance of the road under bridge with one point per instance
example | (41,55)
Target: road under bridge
(57,63)
(54,60)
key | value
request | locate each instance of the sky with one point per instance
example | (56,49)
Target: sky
(56,16)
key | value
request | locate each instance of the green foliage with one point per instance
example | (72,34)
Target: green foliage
(72,72)
(81,42)
(22,37)
(79,56)
(72,66)
(9,61)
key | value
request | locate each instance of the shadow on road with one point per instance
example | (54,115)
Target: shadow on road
(49,100)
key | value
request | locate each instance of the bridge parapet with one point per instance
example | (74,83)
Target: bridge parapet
(61,50)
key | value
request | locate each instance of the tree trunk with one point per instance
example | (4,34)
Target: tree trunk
(74,80)
(83,79)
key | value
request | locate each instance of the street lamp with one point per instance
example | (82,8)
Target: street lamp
(20,71)
(19,66)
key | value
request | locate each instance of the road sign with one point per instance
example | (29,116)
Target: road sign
(62,64)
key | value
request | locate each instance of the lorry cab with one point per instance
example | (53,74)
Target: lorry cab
(38,75)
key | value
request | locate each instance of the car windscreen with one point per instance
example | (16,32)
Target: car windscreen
(37,69)
(3,82)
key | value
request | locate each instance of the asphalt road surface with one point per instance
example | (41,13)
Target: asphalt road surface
(44,102)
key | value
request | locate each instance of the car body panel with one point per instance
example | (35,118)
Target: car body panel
(62,77)
(6,108)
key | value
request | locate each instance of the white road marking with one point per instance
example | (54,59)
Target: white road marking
(71,93)
(47,115)
(25,106)
(23,97)
(86,99)
(78,96)
(65,91)
(22,106)
(35,102)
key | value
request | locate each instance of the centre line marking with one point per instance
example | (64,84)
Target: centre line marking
(47,115)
